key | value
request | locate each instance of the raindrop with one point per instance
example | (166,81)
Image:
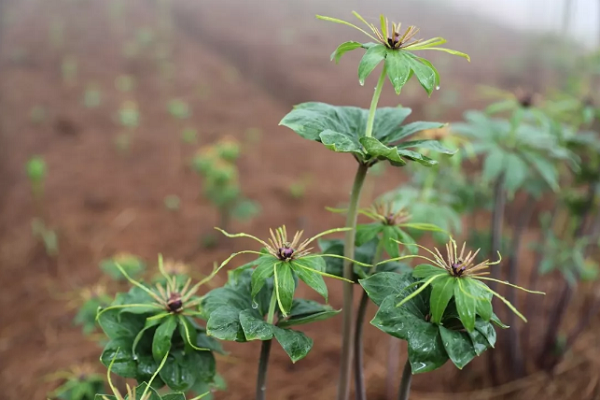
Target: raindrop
(254,305)
(437,88)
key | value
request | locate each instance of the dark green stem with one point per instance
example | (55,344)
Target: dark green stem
(265,350)
(347,329)
(359,379)
(261,380)
(405,382)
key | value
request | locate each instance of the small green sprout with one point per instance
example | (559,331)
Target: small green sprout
(69,69)
(179,109)
(189,135)
(92,97)
(172,202)
(36,172)
(129,115)
(125,83)
(80,382)
(37,114)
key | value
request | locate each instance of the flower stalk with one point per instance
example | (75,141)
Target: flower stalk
(374,101)
(347,329)
(405,382)
(265,351)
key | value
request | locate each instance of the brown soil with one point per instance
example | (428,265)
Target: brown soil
(101,202)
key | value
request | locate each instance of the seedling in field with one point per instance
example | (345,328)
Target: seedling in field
(125,83)
(81,382)
(216,164)
(179,109)
(69,68)
(37,115)
(132,265)
(92,97)
(189,135)
(172,202)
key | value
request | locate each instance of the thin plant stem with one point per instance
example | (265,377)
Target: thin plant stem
(359,379)
(497,221)
(265,350)
(393,366)
(405,382)
(347,328)
(514,352)
(374,101)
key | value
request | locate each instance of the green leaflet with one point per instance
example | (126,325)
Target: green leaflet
(397,69)
(264,270)
(295,344)
(384,284)
(373,56)
(285,286)
(312,279)
(458,345)
(343,49)
(442,291)
(307,311)
(161,343)
(466,303)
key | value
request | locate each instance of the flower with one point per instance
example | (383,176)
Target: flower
(396,49)
(285,260)
(458,276)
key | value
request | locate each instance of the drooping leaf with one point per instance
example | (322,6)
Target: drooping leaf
(343,49)
(295,344)
(285,286)
(312,279)
(442,291)
(255,328)
(465,304)
(384,284)
(224,324)
(161,343)
(264,270)
(307,311)
(458,345)
(398,70)
(118,351)
(372,57)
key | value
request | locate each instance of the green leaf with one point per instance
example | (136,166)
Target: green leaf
(340,143)
(390,235)
(487,330)
(493,165)
(307,311)
(373,56)
(433,145)
(312,279)
(285,286)
(264,270)
(480,343)
(426,350)
(115,326)
(384,284)
(162,337)
(418,157)
(255,328)
(343,49)
(224,324)
(173,396)
(427,76)
(295,344)
(180,371)
(465,304)
(119,350)
(399,322)
(458,345)
(410,129)
(382,152)
(544,168)
(367,232)
(442,291)
(424,271)
(398,69)
(516,172)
